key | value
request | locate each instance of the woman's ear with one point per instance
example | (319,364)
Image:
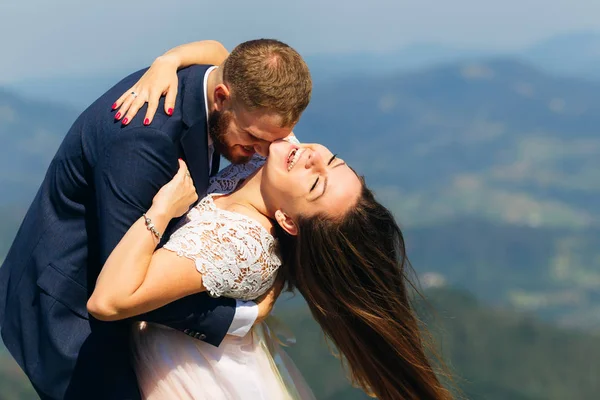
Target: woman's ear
(286,222)
(221,96)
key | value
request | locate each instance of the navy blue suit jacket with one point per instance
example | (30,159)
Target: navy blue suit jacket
(101,180)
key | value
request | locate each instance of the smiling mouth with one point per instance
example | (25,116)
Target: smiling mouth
(293,157)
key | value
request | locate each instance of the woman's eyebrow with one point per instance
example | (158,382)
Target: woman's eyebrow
(326,179)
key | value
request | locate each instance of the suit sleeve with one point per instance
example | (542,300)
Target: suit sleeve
(132,169)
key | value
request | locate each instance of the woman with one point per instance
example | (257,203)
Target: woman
(341,249)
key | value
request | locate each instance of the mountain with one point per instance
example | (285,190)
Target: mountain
(78,91)
(30,132)
(571,54)
(497,139)
(11,216)
(413,57)
(493,354)
(574,54)
(498,354)
(552,272)
(73,91)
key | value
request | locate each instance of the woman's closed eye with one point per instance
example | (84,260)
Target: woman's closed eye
(314,185)
(317,180)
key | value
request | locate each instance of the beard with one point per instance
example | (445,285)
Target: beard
(218,122)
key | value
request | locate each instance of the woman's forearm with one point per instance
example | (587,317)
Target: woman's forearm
(126,267)
(202,52)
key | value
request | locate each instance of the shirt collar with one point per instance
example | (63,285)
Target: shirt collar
(206,74)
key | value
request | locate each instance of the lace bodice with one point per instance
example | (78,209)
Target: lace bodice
(235,254)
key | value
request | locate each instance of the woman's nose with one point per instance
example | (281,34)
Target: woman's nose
(316,161)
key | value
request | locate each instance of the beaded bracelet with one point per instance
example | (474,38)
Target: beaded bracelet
(151,227)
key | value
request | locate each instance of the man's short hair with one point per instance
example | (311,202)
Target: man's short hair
(268,74)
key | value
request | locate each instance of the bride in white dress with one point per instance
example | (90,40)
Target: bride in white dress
(236,256)
(226,246)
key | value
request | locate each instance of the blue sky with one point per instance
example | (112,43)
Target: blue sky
(42,38)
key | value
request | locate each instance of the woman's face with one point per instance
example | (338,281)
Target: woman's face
(307,179)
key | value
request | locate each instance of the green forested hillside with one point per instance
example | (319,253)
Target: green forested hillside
(554,272)
(493,354)
(13,383)
(496,352)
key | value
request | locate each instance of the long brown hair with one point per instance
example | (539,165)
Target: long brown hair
(353,274)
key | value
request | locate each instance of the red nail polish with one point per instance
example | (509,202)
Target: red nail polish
(181,159)
(146,121)
(170,111)
(125,121)
(114,106)
(118,115)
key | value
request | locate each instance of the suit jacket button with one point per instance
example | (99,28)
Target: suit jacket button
(197,335)
(186,331)
(202,336)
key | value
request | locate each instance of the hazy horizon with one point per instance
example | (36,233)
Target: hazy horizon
(71,38)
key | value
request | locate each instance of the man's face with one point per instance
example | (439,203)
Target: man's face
(237,133)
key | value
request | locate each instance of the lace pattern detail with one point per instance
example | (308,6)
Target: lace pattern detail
(235,254)
(231,176)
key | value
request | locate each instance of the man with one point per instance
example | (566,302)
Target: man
(101,180)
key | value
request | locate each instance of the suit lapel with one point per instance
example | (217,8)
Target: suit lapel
(195,147)
(216,161)
(194,140)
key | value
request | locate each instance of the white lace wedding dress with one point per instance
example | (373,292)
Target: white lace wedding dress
(237,258)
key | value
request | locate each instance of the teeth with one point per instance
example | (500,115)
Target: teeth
(295,157)
(292,154)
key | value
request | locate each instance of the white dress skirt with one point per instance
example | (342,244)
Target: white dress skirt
(171,365)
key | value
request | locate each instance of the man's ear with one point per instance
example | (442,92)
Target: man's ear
(286,222)
(221,96)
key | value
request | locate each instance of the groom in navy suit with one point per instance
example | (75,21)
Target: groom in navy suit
(101,180)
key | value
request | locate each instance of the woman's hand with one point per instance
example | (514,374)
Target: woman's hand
(175,198)
(267,301)
(159,80)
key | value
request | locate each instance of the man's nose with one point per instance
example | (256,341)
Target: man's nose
(262,148)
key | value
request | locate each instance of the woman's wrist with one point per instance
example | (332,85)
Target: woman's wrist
(169,58)
(160,214)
